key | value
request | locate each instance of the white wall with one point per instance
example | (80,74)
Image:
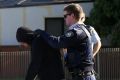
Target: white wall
(32,17)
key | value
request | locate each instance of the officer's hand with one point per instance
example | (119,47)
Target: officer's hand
(38,31)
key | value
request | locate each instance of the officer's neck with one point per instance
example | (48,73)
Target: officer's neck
(76,22)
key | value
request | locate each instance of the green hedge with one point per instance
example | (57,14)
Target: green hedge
(105,17)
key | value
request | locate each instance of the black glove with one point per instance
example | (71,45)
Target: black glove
(38,31)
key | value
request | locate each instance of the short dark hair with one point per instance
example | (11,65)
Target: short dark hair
(24,34)
(76,9)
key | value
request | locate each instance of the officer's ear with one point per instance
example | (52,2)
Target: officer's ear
(82,19)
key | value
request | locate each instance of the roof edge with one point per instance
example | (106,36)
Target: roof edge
(28,4)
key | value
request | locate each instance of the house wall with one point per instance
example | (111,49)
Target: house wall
(32,17)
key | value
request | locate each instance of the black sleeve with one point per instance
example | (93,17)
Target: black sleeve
(36,60)
(70,38)
(63,41)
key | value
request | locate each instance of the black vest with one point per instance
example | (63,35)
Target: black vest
(80,55)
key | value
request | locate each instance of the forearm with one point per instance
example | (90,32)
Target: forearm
(56,42)
(63,41)
(96,48)
(51,40)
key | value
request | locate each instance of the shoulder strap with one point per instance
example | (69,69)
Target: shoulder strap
(86,31)
(89,28)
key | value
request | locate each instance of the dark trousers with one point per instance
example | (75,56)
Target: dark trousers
(82,75)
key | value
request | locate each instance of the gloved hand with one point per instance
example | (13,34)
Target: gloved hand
(38,31)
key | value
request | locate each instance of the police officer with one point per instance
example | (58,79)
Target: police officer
(96,41)
(45,61)
(77,40)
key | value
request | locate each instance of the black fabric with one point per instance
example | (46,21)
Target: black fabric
(80,40)
(24,34)
(45,61)
(88,27)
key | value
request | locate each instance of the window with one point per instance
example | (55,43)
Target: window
(54,26)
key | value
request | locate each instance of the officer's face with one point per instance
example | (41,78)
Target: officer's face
(68,18)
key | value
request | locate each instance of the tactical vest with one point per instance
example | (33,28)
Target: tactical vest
(81,55)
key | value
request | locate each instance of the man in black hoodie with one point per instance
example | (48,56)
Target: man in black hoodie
(45,61)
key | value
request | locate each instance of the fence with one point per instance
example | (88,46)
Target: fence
(109,64)
(14,63)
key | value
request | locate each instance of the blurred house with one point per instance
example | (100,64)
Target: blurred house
(44,14)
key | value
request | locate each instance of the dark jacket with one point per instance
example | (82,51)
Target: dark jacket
(78,44)
(45,61)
